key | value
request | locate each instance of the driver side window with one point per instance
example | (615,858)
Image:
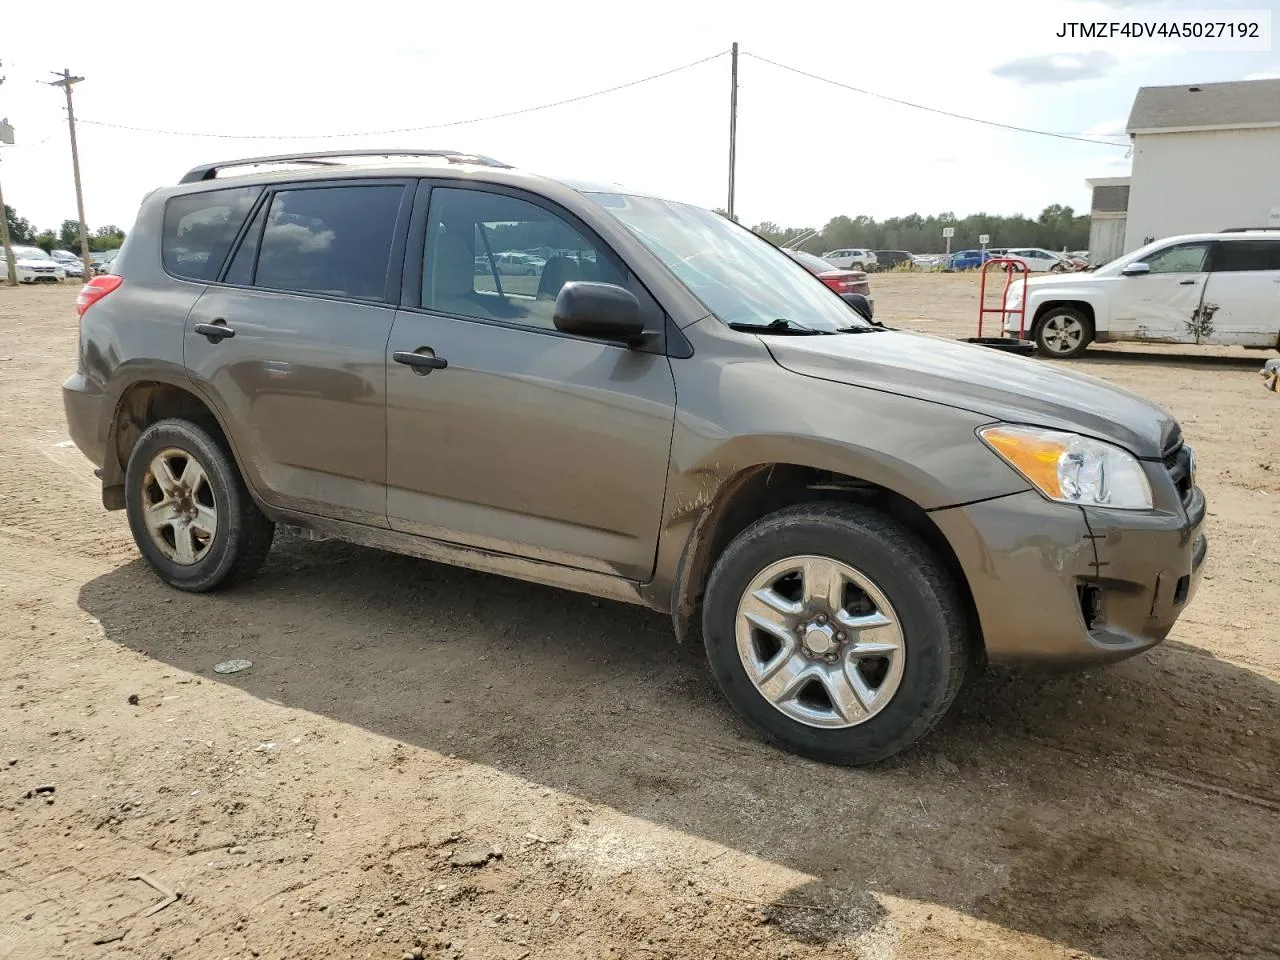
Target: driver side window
(490,256)
(1180,258)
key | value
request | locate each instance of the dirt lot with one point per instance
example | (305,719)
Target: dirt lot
(426,757)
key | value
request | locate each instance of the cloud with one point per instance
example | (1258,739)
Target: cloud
(1108,128)
(1058,67)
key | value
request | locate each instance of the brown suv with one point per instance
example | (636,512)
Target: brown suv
(657,407)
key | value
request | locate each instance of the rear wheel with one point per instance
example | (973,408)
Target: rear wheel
(1063,333)
(834,632)
(191,515)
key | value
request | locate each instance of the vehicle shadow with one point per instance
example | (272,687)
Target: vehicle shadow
(1130,812)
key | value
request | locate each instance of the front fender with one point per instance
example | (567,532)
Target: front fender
(743,415)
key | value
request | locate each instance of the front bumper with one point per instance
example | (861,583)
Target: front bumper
(1064,586)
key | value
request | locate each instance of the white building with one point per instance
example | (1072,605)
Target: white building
(1205,158)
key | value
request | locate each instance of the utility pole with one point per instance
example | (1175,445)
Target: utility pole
(733,123)
(11,266)
(66,81)
(10,263)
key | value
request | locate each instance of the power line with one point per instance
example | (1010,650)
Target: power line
(431,126)
(928,109)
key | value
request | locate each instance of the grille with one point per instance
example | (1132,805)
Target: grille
(1179,460)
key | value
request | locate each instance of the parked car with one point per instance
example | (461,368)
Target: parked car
(888,259)
(69,262)
(850,517)
(102,263)
(518,264)
(1211,288)
(841,281)
(35,266)
(929,261)
(1039,260)
(852,258)
(968,259)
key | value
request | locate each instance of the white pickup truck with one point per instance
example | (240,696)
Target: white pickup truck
(1207,288)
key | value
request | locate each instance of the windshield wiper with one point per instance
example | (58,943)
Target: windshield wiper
(781,325)
(866,329)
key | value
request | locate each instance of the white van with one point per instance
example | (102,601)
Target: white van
(1209,288)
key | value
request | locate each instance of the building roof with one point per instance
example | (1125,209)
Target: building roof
(1206,106)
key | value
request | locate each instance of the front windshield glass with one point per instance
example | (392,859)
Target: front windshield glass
(31,253)
(740,278)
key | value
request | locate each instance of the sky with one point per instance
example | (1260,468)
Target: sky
(807,150)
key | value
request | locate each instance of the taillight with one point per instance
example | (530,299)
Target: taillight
(95,290)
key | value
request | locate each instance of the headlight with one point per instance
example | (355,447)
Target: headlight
(1069,468)
(1014,297)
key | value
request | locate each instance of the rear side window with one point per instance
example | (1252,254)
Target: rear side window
(200,228)
(334,241)
(1246,255)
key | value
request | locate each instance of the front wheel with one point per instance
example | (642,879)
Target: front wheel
(834,632)
(1063,333)
(191,515)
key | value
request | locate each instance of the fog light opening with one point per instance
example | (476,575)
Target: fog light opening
(1091,605)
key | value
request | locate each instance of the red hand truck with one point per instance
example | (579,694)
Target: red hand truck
(1020,344)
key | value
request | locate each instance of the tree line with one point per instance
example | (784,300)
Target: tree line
(67,237)
(1057,227)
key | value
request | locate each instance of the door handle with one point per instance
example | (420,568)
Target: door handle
(216,332)
(1186,283)
(420,363)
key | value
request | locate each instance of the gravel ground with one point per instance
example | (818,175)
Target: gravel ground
(427,759)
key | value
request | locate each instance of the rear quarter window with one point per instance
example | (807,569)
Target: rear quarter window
(199,229)
(1240,256)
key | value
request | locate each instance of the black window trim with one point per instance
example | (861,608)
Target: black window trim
(235,241)
(657,319)
(395,262)
(1211,261)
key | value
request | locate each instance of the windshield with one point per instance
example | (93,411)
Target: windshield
(740,278)
(30,253)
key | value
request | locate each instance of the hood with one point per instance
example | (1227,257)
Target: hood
(1079,276)
(982,380)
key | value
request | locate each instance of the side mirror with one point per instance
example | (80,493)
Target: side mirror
(861,305)
(602,311)
(1136,270)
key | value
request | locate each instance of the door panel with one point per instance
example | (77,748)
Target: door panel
(302,389)
(528,443)
(1242,297)
(1162,306)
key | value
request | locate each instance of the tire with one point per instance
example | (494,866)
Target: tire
(211,534)
(1063,333)
(918,680)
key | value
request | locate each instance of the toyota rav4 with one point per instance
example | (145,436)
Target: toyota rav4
(668,411)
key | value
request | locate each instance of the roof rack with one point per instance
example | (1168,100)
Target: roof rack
(209,171)
(1250,229)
